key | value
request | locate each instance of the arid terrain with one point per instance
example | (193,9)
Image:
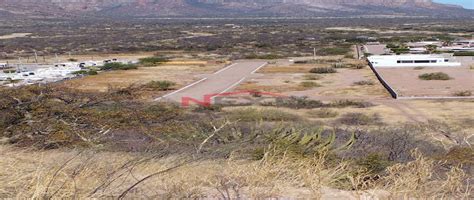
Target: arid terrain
(293,112)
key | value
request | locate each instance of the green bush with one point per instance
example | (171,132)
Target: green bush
(160,85)
(155,60)
(118,66)
(463,54)
(323,70)
(92,73)
(7,71)
(80,72)
(434,76)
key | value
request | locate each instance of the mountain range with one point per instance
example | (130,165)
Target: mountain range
(227,8)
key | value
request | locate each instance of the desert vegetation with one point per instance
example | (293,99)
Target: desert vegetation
(237,152)
(435,76)
(58,142)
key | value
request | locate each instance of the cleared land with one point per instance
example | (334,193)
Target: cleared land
(407,83)
(179,72)
(294,79)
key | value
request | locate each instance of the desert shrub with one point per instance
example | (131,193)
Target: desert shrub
(80,72)
(118,66)
(323,70)
(264,56)
(85,72)
(358,119)
(392,143)
(323,113)
(357,66)
(7,71)
(350,103)
(92,72)
(72,60)
(374,163)
(349,55)
(339,65)
(295,103)
(465,93)
(463,54)
(434,76)
(301,62)
(257,114)
(418,68)
(333,51)
(154,60)
(312,77)
(309,84)
(400,50)
(365,82)
(160,85)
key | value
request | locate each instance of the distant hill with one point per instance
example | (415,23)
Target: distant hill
(229,8)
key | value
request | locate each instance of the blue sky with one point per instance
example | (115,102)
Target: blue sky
(465,3)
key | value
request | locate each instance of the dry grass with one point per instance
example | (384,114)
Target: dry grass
(180,74)
(416,179)
(254,86)
(74,174)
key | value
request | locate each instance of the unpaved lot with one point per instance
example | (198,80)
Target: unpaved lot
(180,74)
(290,80)
(407,84)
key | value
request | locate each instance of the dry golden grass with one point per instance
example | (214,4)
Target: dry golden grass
(68,174)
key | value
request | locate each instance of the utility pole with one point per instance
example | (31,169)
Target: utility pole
(36,57)
(314,53)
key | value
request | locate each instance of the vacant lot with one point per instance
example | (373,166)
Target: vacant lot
(180,72)
(295,79)
(407,83)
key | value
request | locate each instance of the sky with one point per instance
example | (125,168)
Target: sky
(465,3)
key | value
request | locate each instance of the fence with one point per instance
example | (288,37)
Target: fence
(392,92)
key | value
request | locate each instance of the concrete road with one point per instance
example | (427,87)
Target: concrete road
(220,82)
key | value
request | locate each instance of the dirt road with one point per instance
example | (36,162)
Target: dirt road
(221,81)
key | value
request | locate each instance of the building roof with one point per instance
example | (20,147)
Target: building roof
(408,56)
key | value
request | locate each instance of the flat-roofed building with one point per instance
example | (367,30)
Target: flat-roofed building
(411,60)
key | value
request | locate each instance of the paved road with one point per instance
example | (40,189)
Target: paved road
(221,81)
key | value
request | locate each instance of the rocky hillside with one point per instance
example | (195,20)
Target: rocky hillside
(228,8)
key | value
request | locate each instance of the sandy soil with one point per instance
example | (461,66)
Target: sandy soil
(14,35)
(180,74)
(406,82)
(287,80)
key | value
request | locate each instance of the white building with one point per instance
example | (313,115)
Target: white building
(412,61)
(3,65)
